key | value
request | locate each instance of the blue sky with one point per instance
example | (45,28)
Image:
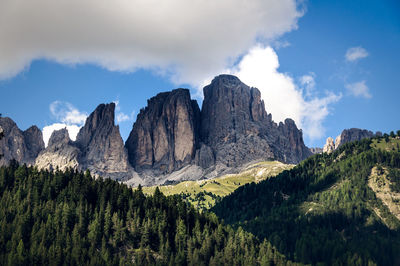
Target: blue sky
(55,72)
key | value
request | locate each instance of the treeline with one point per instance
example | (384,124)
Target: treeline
(69,218)
(323,211)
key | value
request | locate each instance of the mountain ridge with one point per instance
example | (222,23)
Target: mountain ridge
(173,139)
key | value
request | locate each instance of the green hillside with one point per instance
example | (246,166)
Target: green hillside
(339,208)
(204,193)
(69,218)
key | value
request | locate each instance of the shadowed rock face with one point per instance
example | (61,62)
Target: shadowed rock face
(164,137)
(23,146)
(98,148)
(101,145)
(236,126)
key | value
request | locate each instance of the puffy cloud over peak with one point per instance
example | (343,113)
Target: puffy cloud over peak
(283,96)
(67,116)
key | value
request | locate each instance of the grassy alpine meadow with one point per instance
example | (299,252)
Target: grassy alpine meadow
(203,194)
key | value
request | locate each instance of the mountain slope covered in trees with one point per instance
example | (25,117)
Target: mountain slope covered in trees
(69,218)
(325,209)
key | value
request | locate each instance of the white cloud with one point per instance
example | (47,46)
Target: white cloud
(121,116)
(67,113)
(308,84)
(358,89)
(189,40)
(48,130)
(282,96)
(67,116)
(356,53)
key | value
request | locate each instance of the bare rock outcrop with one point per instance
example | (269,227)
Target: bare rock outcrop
(22,146)
(316,150)
(352,134)
(101,146)
(235,124)
(98,148)
(60,153)
(329,145)
(347,135)
(164,137)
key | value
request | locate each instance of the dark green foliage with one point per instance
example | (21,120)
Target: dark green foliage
(323,209)
(71,219)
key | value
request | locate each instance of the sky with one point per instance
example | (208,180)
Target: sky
(329,65)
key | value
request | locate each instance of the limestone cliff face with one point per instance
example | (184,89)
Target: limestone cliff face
(236,126)
(329,145)
(352,134)
(164,136)
(23,146)
(98,148)
(60,153)
(100,143)
(292,147)
(347,135)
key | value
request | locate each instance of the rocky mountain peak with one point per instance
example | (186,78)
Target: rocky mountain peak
(100,142)
(235,124)
(347,135)
(59,137)
(60,153)
(99,124)
(164,137)
(22,146)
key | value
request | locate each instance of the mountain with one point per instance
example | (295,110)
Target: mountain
(23,146)
(98,148)
(236,126)
(347,135)
(172,140)
(60,153)
(70,218)
(101,145)
(339,208)
(165,135)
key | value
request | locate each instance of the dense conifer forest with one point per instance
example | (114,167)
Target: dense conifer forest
(69,218)
(324,210)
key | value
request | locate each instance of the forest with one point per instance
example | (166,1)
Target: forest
(70,218)
(323,210)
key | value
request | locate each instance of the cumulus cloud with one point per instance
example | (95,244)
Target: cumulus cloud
(67,116)
(67,113)
(354,54)
(188,40)
(358,89)
(283,97)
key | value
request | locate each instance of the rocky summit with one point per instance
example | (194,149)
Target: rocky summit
(235,124)
(60,153)
(347,135)
(165,135)
(172,139)
(101,145)
(98,148)
(22,146)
